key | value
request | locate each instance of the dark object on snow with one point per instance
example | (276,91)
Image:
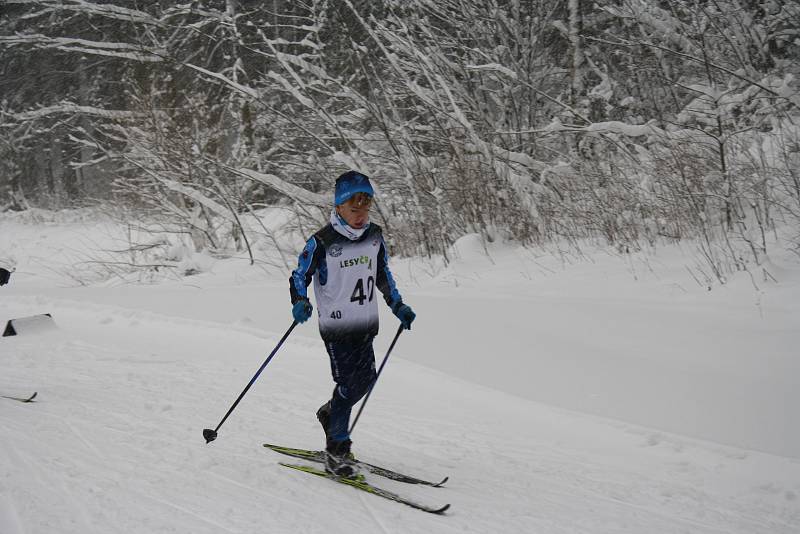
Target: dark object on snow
(29,325)
(5,274)
(21,399)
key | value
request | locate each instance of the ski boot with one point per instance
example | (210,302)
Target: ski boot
(324,417)
(339,460)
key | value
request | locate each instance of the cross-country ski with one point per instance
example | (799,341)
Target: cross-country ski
(360,484)
(319,457)
(20,399)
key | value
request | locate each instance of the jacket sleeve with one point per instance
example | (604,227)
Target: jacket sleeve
(306,267)
(385,280)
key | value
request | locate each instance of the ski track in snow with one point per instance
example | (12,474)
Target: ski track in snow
(113,444)
(376,520)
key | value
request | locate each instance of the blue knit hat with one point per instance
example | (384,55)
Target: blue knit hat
(349,184)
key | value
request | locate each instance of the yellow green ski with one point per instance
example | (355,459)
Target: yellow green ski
(359,483)
(319,457)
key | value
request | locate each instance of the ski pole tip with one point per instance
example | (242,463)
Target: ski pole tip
(210,435)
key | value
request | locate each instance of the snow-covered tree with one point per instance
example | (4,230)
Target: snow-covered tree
(618,119)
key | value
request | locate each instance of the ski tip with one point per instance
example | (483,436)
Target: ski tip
(278,447)
(20,399)
(441,510)
(440,484)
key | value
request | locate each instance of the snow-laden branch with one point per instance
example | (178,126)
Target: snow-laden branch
(791,97)
(493,67)
(282,186)
(496,67)
(104,10)
(286,84)
(659,21)
(69,108)
(243,89)
(197,196)
(252,93)
(615,127)
(212,16)
(100,48)
(605,127)
(319,73)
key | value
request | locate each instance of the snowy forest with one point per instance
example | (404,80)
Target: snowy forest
(625,122)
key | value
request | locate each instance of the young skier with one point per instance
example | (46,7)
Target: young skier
(347,260)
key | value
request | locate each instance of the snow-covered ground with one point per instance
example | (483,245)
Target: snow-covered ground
(561,394)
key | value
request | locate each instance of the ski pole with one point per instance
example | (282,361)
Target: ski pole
(377,376)
(211,435)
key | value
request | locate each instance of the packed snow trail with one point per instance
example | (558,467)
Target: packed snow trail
(113,444)
(558,398)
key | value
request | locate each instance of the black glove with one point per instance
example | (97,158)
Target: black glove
(301,311)
(405,314)
(4,276)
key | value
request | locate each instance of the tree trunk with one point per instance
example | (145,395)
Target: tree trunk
(575,28)
(58,189)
